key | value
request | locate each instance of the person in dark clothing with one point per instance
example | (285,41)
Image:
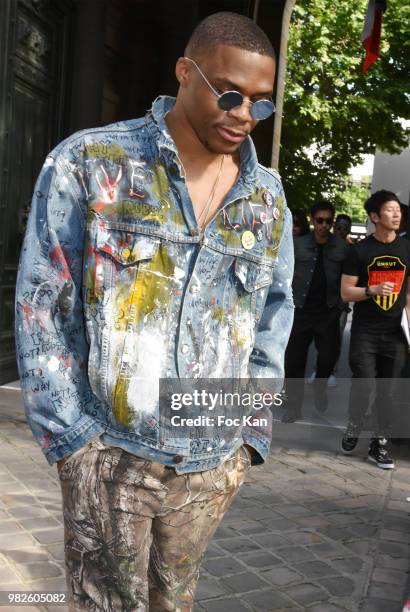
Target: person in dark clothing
(318,306)
(300,223)
(375,277)
(343,226)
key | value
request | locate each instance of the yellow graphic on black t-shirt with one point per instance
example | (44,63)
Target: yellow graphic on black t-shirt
(386,269)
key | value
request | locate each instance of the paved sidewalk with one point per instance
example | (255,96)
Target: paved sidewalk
(310,530)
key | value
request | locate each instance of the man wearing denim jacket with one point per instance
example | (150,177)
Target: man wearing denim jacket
(156,248)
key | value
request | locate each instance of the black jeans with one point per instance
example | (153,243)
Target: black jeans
(379,356)
(324,329)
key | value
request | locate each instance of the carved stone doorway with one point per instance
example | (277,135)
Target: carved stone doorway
(34,37)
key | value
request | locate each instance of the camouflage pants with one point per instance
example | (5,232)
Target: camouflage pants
(135,531)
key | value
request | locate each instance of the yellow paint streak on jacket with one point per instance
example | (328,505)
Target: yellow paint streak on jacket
(150,292)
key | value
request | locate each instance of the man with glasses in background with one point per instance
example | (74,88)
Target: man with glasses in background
(319,256)
(174,246)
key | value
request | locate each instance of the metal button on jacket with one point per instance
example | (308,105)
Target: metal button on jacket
(126,253)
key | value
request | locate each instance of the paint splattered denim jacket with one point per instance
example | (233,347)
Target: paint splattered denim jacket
(118,288)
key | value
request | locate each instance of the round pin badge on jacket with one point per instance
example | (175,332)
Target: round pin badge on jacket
(267,198)
(248,240)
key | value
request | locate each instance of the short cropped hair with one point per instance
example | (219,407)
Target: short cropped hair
(344,217)
(377,199)
(231,29)
(322,205)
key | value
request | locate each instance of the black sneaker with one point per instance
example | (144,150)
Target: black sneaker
(350,439)
(378,454)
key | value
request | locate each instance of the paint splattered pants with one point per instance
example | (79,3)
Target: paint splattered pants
(135,531)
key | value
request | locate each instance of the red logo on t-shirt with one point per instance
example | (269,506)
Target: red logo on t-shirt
(383,269)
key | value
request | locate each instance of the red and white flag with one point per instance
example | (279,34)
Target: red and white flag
(371,31)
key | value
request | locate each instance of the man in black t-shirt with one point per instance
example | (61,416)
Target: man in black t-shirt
(375,277)
(316,292)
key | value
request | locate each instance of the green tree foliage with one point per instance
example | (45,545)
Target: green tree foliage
(333,113)
(350,201)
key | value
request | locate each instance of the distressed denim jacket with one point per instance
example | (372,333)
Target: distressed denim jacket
(117,288)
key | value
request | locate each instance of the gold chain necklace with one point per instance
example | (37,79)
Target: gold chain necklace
(201,220)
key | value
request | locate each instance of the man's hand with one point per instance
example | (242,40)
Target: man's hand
(382,289)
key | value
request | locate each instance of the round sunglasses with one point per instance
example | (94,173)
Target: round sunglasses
(228,100)
(322,220)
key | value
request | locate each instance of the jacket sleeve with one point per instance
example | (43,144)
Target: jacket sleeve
(268,356)
(52,349)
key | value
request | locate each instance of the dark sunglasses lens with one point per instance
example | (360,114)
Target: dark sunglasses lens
(229,100)
(262,109)
(320,220)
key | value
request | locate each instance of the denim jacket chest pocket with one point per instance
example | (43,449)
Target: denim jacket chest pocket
(127,248)
(114,254)
(255,279)
(304,268)
(333,260)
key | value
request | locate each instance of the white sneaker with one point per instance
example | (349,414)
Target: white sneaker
(311,379)
(332,381)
